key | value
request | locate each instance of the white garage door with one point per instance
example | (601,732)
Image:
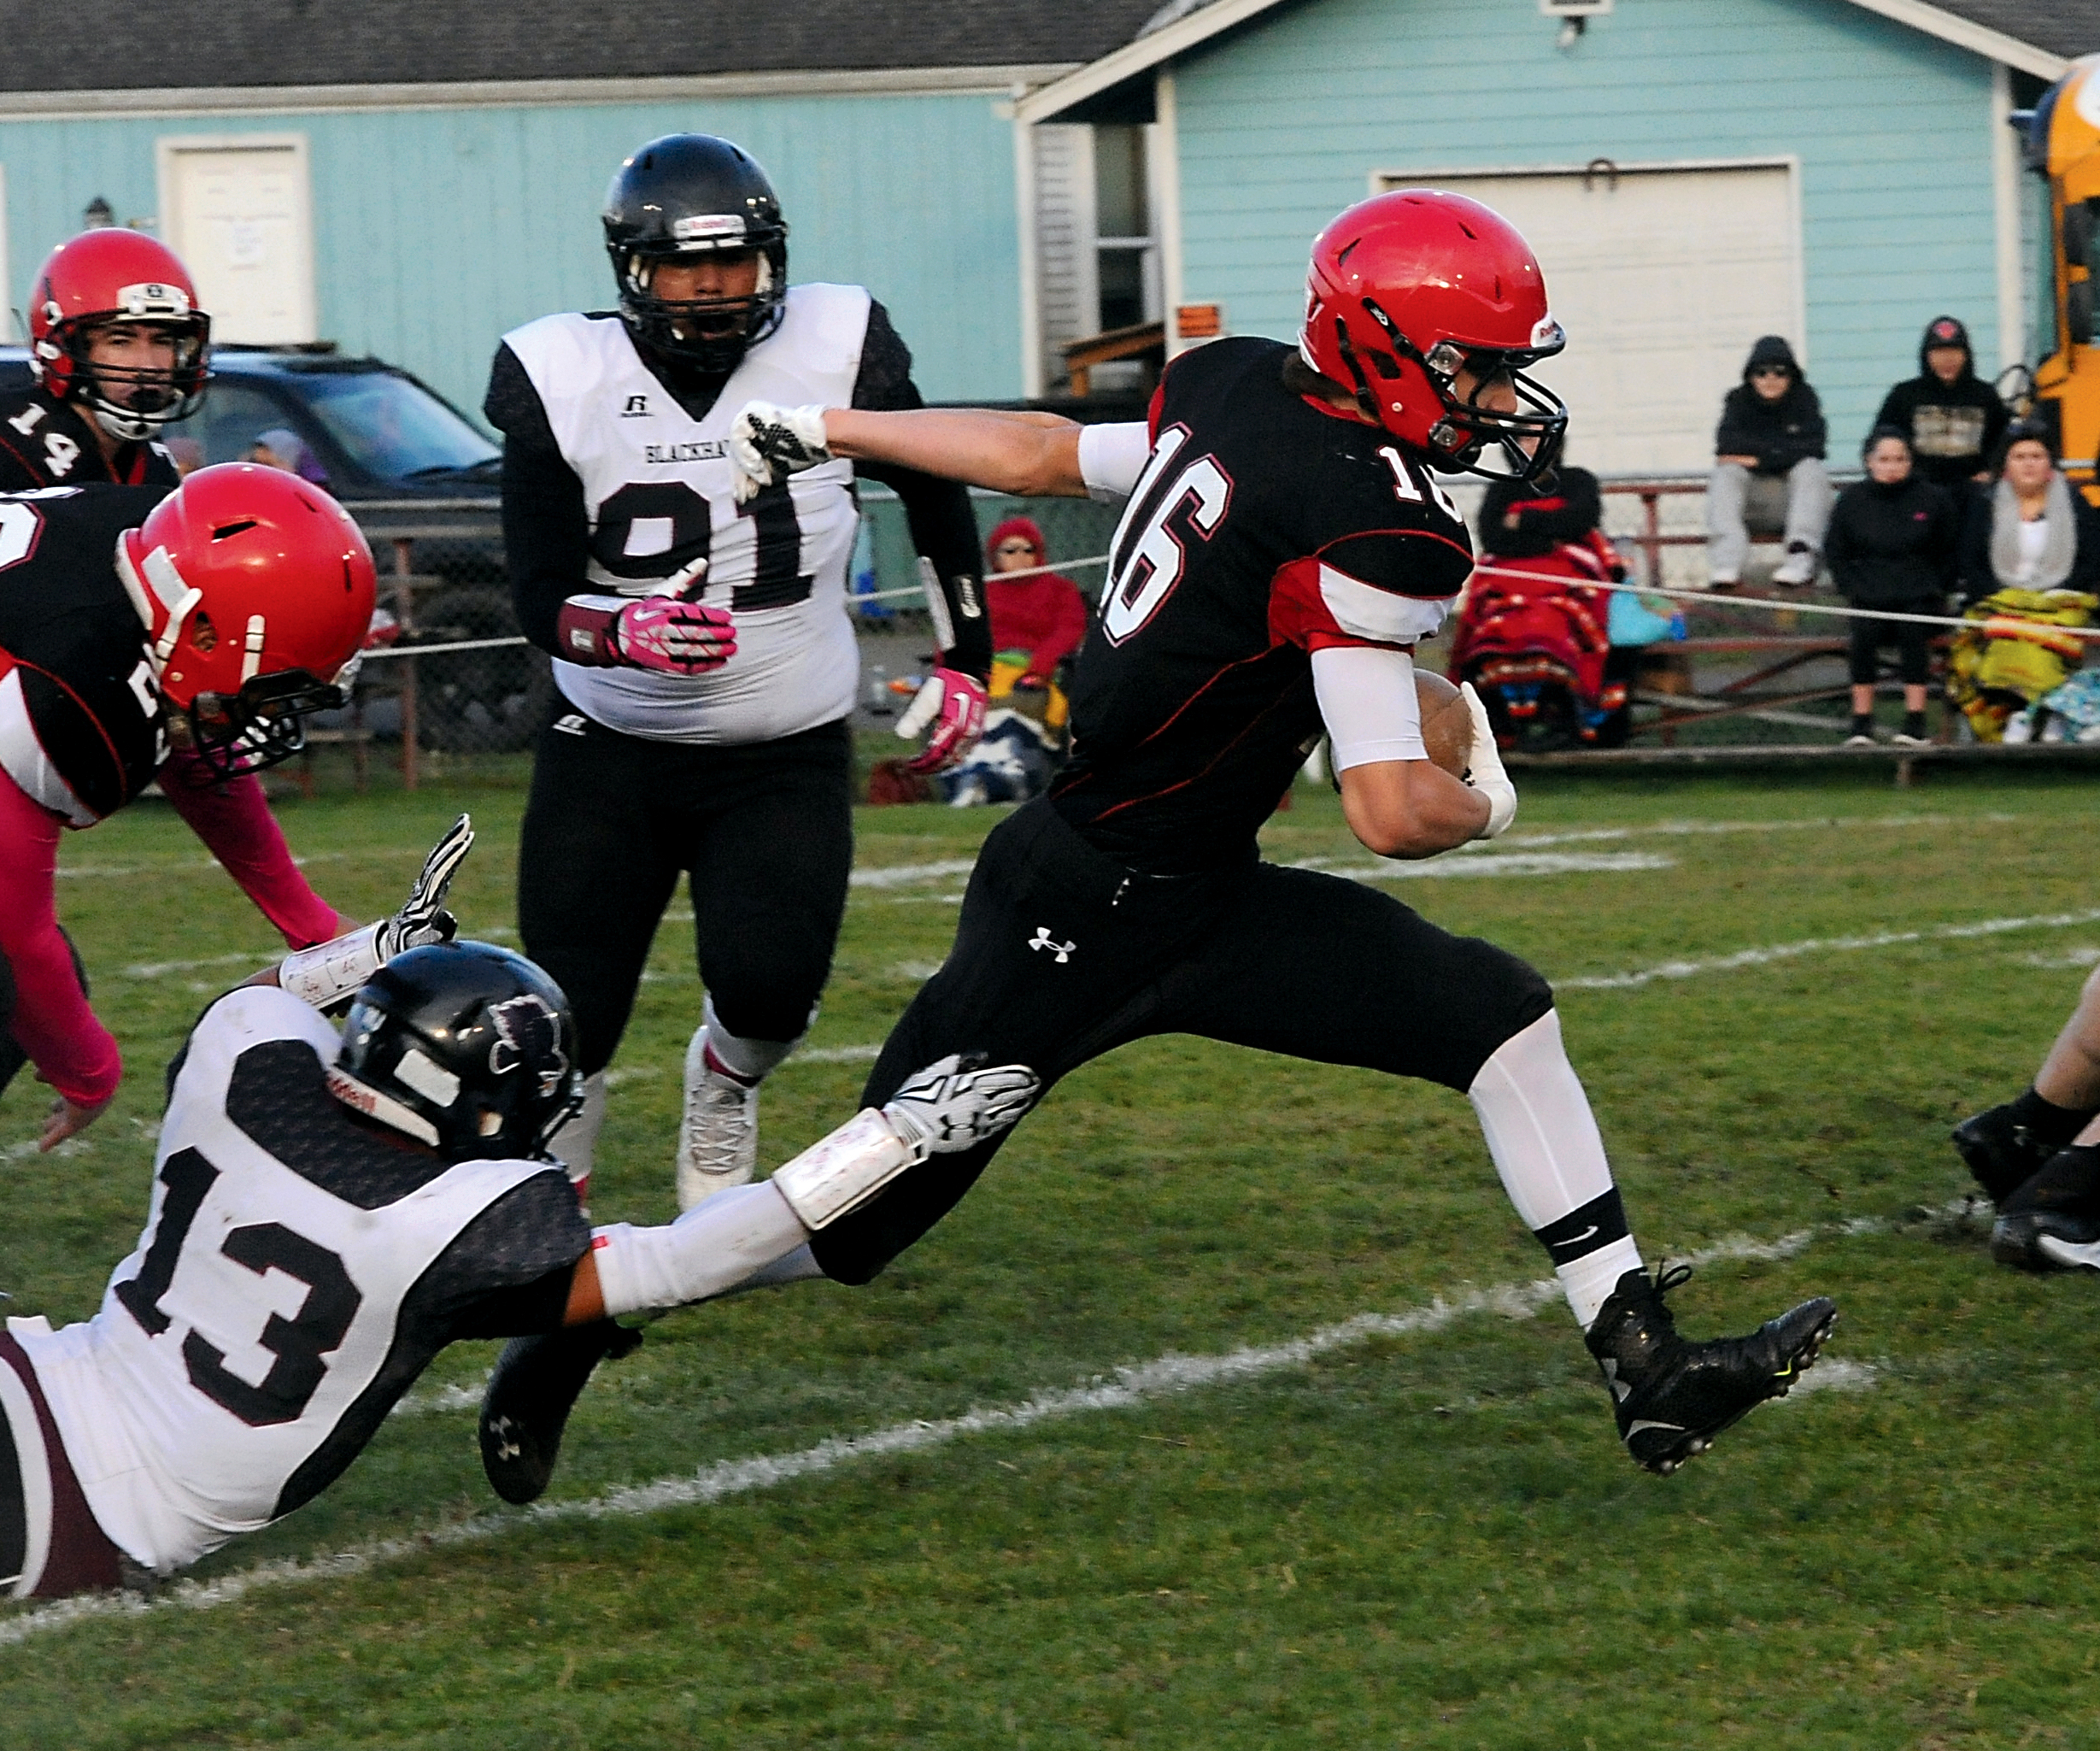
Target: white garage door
(1662,277)
(237,213)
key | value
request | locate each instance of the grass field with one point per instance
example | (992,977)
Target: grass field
(1417,1531)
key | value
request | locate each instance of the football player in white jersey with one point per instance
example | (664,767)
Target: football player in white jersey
(702,649)
(330,1211)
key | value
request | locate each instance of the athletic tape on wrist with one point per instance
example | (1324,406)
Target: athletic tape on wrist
(331,970)
(839,1173)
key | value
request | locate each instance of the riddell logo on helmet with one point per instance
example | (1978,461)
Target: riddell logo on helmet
(151,298)
(707,225)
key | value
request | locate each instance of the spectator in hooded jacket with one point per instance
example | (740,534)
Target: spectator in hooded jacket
(2031,531)
(1043,616)
(1769,462)
(1893,542)
(1953,418)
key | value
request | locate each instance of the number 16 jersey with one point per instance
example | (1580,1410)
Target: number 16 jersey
(1265,526)
(297,1274)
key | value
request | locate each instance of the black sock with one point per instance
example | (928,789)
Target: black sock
(1862,723)
(2067,1180)
(2048,1124)
(1914,724)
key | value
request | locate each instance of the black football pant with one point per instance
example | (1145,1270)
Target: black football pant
(1062,955)
(1912,643)
(764,829)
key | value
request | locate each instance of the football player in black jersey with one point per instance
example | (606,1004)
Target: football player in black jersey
(119,348)
(147,635)
(703,653)
(398,1173)
(1285,545)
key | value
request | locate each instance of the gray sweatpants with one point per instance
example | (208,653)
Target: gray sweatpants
(1797,503)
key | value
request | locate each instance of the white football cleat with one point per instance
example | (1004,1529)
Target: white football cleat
(718,1136)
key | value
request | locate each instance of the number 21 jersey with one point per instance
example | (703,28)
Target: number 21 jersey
(1265,526)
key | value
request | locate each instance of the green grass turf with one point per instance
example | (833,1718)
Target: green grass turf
(1428,1540)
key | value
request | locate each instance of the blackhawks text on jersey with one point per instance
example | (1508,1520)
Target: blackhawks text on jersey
(297,1274)
(657,491)
(1264,527)
(48,443)
(79,716)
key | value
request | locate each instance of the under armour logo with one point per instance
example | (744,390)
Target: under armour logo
(571,724)
(637,408)
(1043,939)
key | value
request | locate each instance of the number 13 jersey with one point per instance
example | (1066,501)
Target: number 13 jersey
(297,1273)
(656,490)
(1265,526)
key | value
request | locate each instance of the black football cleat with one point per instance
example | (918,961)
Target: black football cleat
(529,1395)
(2000,1152)
(2060,1200)
(1672,1397)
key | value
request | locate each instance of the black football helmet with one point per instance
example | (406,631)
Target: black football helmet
(688,195)
(465,1046)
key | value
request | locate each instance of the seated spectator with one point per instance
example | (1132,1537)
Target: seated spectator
(1036,621)
(1892,544)
(2031,531)
(1953,418)
(1768,465)
(280,447)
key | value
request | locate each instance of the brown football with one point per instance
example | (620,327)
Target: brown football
(1446,723)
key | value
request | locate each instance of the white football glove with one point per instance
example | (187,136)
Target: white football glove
(326,973)
(949,1106)
(1484,770)
(767,442)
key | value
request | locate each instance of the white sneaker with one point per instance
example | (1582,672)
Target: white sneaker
(1798,569)
(718,1137)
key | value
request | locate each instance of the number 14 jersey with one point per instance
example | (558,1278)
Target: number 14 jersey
(1264,527)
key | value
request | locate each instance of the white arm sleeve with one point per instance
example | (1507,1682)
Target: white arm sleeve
(1367,700)
(1112,457)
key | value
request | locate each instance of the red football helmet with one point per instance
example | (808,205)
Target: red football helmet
(1407,289)
(257,589)
(109,276)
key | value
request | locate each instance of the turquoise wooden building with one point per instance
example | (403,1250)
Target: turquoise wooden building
(410,180)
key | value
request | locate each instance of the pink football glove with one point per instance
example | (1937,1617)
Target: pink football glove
(672,637)
(953,703)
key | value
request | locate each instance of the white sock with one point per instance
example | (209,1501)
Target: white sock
(1545,1145)
(576,1144)
(712,1249)
(749,1062)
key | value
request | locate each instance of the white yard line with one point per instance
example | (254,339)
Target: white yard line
(1500,863)
(1819,945)
(1127,1389)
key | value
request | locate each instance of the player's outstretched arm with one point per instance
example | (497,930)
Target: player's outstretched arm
(1032,454)
(949,1106)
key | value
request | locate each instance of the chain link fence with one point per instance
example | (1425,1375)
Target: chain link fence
(452,690)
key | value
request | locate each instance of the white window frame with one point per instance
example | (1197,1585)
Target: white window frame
(7,279)
(167,152)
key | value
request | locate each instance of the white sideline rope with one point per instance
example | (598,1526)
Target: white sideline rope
(1679,593)
(1674,591)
